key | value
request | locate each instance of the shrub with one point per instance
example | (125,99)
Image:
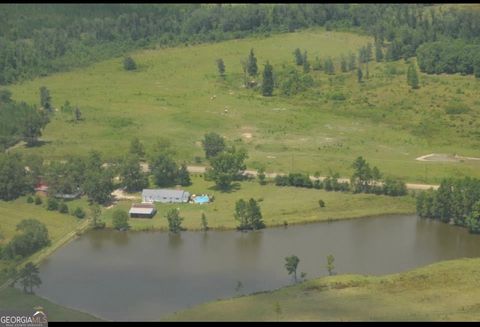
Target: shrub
(52,204)
(317,184)
(129,64)
(79,213)
(38,200)
(321,203)
(63,208)
(281,180)
(456,109)
(337,96)
(29,199)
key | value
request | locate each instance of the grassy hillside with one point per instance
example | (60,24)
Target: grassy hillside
(442,291)
(278,204)
(54,312)
(172,95)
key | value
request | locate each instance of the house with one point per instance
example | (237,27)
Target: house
(165,196)
(41,187)
(142,210)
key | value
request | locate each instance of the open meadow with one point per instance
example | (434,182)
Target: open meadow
(176,94)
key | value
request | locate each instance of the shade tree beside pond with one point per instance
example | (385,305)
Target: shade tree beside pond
(174,221)
(249,215)
(291,264)
(120,220)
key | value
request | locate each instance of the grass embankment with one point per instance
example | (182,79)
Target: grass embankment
(60,226)
(278,204)
(61,229)
(448,290)
(324,129)
(11,298)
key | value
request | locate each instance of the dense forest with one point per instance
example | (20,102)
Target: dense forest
(38,39)
(19,121)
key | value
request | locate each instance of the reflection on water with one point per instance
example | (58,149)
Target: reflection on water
(145,275)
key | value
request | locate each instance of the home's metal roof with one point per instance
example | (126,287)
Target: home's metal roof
(164,193)
(141,211)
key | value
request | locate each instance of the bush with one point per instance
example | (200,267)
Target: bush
(52,204)
(299,180)
(38,200)
(29,199)
(337,96)
(63,208)
(129,64)
(456,109)
(99,225)
(317,184)
(120,219)
(281,180)
(79,213)
(321,203)
(394,187)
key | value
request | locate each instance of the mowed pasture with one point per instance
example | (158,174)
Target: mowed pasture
(278,205)
(176,94)
(12,212)
(444,291)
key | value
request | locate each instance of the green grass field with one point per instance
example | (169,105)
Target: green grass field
(444,291)
(171,95)
(11,298)
(12,212)
(278,204)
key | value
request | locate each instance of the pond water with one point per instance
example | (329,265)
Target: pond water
(147,275)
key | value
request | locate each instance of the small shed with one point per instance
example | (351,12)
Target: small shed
(165,196)
(142,210)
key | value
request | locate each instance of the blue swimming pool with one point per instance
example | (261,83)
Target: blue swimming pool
(201,199)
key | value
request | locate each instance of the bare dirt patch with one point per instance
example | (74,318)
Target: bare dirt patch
(144,166)
(442,157)
(120,194)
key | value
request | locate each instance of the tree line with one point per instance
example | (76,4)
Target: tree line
(36,40)
(449,57)
(456,200)
(365,179)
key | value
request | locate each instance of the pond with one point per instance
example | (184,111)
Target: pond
(147,275)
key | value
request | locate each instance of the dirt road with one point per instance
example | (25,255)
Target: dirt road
(410,186)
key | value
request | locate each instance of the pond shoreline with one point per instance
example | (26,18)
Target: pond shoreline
(268,225)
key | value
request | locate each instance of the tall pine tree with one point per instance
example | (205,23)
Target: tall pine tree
(252,68)
(298,57)
(267,84)
(412,76)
